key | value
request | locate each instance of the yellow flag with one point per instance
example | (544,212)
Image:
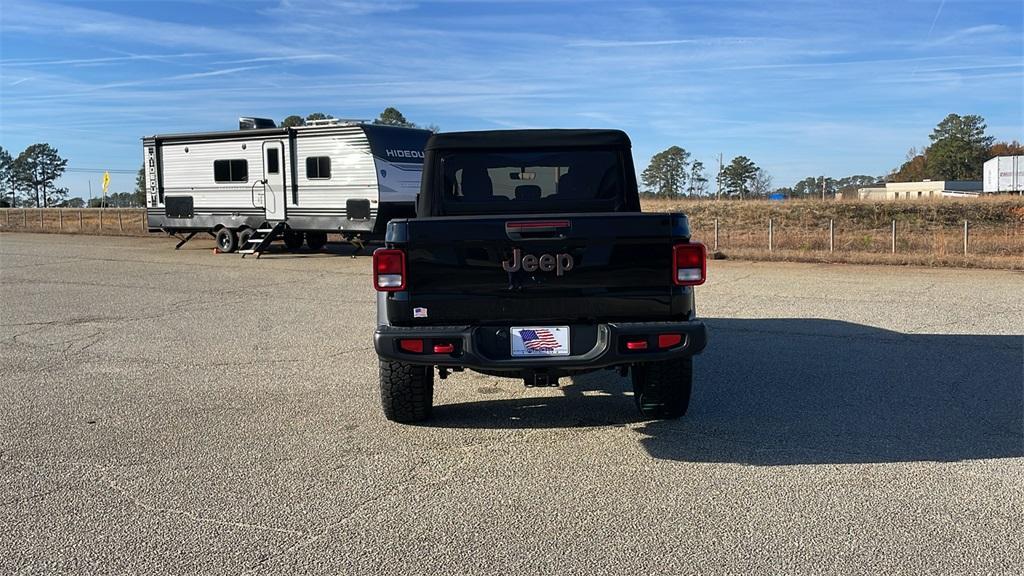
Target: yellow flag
(106,181)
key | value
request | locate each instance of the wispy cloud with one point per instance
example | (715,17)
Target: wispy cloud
(33,62)
(797,86)
(711,41)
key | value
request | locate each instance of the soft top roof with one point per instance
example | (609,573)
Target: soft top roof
(504,139)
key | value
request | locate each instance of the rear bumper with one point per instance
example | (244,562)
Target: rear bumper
(479,348)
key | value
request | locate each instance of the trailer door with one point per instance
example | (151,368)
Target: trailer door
(275,192)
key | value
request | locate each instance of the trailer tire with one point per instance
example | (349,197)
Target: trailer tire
(662,389)
(226,240)
(316,240)
(243,238)
(406,391)
(293,240)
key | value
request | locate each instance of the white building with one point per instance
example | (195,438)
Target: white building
(1004,174)
(922,190)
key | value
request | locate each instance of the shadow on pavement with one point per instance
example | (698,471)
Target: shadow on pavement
(807,391)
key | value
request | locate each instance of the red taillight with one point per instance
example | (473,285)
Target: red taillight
(669,340)
(689,264)
(388,270)
(444,348)
(636,344)
(411,345)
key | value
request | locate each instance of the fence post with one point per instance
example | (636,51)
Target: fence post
(24,217)
(120,226)
(60,220)
(770,231)
(716,234)
(40,218)
(101,219)
(893,236)
(79,220)
(831,235)
(965,237)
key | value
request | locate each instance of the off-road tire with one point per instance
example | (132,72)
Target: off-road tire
(316,240)
(226,240)
(293,240)
(406,391)
(662,389)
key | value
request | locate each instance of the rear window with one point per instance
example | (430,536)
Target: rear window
(516,181)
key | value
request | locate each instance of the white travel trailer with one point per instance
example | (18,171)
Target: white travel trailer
(252,185)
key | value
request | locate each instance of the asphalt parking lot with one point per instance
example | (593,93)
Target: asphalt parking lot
(169,412)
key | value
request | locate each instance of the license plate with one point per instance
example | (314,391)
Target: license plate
(540,341)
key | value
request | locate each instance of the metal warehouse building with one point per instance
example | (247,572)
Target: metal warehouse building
(922,190)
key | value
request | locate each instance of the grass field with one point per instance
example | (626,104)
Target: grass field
(929,233)
(106,221)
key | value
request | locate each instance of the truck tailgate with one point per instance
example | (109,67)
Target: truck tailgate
(517,268)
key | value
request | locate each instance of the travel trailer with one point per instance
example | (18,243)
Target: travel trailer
(250,186)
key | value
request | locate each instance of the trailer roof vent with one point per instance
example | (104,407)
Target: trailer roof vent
(247,123)
(334,122)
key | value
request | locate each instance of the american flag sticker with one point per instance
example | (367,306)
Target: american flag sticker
(419,312)
(540,341)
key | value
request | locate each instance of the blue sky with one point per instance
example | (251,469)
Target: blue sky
(802,88)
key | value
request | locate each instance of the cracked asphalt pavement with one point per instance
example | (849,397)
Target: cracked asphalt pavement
(168,412)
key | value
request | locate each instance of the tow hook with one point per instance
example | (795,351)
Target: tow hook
(540,380)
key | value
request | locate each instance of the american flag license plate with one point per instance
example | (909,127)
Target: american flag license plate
(540,341)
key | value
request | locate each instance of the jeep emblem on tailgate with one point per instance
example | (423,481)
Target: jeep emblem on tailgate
(560,263)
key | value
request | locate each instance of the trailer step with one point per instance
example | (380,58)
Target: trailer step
(262,237)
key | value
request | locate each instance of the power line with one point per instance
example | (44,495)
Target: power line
(100,171)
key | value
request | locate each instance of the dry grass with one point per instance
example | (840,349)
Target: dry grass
(927,232)
(107,221)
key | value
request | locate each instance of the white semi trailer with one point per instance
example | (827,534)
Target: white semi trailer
(260,182)
(1004,174)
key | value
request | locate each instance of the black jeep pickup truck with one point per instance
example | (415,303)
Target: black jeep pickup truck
(529,258)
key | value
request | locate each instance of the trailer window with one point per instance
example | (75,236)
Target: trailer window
(230,170)
(272,163)
(318,167)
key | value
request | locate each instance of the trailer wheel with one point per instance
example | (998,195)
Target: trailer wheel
(406,391)
(243,238)
(662,389)
(316,240)
(226,240)
(293,240)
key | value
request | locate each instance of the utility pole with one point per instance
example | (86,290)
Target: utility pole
(823,188)
(718,193)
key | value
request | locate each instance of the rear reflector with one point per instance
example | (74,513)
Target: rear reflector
(669,340)
(388,270)
(689,264)
(636,344)
(444,348)
(411,345)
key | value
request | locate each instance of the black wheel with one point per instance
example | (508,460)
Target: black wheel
(316,240)
(662,389)
(293,240)
(226,240)
(406,391)
(243,239)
